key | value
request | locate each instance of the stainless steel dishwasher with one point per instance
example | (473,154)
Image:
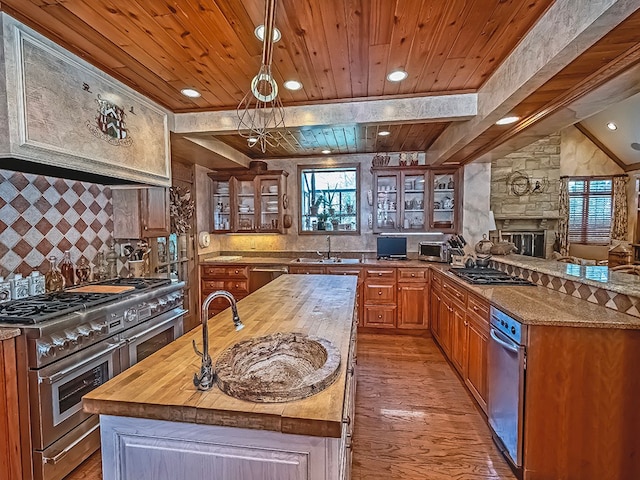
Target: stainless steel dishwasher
(506,384)
(259,276)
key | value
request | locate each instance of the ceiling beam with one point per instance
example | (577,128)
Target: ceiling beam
(554,42)
(436,108)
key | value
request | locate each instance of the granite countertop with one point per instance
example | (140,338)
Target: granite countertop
(289,261)
(596,275)
(537,305)
(161,386)
(8,333)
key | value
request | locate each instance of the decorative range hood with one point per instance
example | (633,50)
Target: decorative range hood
(61,116)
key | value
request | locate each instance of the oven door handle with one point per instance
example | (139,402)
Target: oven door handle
(158,325)
(63,373)
(56,458)
(506,345)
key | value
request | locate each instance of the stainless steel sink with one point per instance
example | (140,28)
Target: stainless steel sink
(333,260)
(280,367)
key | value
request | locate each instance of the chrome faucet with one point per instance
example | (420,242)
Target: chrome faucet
(207,377)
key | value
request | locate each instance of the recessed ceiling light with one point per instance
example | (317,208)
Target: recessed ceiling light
(397,76)
(259,32)
(384,133)
(190,92)
(326,152)
(507,120)
(292,85)
(612,126)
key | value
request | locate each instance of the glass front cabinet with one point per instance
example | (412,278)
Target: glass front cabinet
(249,203)
(415,199)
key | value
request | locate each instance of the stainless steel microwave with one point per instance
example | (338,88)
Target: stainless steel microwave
(433,252)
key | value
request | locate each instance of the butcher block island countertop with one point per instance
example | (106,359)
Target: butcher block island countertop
(161,386)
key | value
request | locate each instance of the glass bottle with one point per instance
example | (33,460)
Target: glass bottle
(83,271)
(112,261)
(100,268)
(53,279)
(66,268)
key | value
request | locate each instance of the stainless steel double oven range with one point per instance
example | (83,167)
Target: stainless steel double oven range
(72,343)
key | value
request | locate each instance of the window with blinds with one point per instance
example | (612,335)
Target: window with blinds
(590,210)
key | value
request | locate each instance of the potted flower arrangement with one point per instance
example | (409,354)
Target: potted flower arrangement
(322,220)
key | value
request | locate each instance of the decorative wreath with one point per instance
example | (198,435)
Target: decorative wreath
(519,184)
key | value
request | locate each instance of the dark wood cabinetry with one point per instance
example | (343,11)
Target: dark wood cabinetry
(413,298)
(232,278)
(460,325)
(10,410)
(416,199)
(249,201)
(140,212)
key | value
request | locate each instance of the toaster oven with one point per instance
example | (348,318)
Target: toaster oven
(433,252)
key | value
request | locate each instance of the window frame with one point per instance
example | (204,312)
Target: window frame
(584,234)
(357,196)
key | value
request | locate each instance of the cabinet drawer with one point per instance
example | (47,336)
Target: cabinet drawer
(454,291)
(307,270)
(380,317)
(225,271)
(383,293)
(343,271)
(233,286)
(412,275)
(387,273)
(478,310)
(436,280)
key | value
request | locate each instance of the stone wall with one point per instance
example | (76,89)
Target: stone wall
(540,160)
(530,212)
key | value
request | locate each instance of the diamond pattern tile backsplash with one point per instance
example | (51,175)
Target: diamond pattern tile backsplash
(42,216)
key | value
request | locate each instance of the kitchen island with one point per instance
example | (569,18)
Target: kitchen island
(156,424)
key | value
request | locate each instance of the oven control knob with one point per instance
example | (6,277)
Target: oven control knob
(153,306)
(45,350)
(61,343)
(101,328)
(73,337)
(513,330)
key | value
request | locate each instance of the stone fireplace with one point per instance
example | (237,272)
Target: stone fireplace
(533,236)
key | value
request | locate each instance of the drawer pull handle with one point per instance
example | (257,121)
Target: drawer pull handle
(466,324)
(413,275)
(379,316)
(379,292)
(379,274)
(475,308)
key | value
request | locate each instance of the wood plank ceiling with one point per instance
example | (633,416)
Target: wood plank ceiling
(340,50)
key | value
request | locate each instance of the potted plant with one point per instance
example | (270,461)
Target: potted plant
(348,206)
(322,220)
(313,209)
(328,202)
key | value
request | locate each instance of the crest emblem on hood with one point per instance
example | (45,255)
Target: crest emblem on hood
(110,123)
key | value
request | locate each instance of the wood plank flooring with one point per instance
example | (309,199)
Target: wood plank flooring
(414,419)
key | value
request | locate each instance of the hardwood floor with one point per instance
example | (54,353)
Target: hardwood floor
(414,419)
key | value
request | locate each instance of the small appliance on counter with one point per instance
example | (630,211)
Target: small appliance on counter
(434,252)
(391,248)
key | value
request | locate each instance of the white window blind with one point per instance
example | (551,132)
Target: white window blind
(590,210)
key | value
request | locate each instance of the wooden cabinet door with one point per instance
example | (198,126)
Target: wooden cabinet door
(413,305)
(444,325)
(458,324)
(434,314)
(476,363)
(139,213)
(154,207)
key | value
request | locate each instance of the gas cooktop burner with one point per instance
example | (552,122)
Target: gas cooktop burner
(51,305)
(44,307)
(488,276)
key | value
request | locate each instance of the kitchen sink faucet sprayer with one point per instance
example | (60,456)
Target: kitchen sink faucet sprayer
(206,378)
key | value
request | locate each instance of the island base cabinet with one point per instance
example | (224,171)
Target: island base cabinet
(147,449)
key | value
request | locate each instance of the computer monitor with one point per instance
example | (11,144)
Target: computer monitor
(392,248)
